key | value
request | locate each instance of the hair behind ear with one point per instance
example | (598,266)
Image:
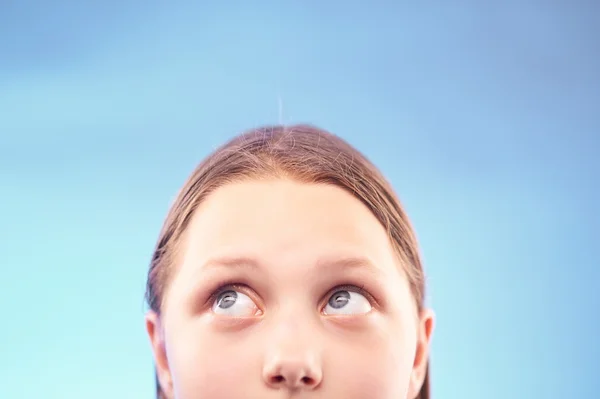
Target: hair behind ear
(425,392)
(159,392)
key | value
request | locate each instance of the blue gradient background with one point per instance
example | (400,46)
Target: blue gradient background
(486,118)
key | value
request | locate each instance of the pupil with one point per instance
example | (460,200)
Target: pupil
(227,299)
(339,299)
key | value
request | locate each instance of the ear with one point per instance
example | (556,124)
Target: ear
(425,330)
(157,341)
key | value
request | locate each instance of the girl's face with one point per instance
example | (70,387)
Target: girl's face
(288,290)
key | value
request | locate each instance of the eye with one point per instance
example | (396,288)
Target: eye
(347,302)
(235,304)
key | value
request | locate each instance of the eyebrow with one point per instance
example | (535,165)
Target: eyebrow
(234,262)
(338,264)
(347,263)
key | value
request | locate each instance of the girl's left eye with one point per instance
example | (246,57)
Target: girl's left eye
(235,304)
(347,302)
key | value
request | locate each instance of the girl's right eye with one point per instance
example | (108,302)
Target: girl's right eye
(234,303)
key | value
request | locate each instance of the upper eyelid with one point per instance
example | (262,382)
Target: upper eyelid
(235,286)
(351,287)
(228,287)
(348,287)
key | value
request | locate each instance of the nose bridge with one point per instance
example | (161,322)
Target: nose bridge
(293,332)
(293,350)
(290,317)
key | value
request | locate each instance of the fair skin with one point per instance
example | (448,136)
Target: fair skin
(288,290)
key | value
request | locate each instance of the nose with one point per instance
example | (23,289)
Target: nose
(293,372)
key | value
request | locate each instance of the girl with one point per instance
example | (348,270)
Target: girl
(287,268)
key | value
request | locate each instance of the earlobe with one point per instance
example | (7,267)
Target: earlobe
(156,336)
(420,365)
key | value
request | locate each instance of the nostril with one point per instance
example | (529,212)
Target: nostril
(277,379)
(308,381)
(292,374)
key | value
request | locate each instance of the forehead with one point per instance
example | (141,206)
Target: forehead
(284,215)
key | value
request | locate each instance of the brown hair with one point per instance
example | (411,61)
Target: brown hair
(301,152)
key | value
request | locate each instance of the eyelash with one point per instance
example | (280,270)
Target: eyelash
(350,287)
(226,287)
(245,288)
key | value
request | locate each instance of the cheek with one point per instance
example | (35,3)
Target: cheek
(378,366)
(203,363)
